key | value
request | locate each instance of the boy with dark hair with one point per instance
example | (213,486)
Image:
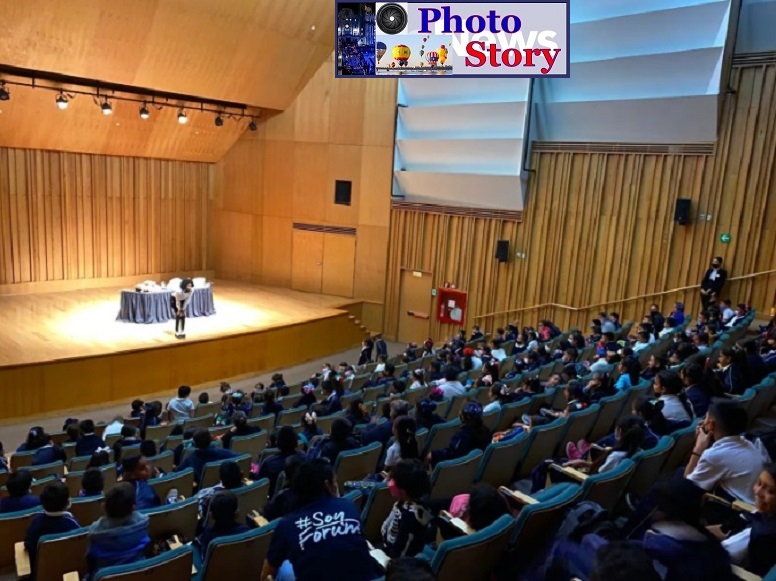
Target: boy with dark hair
(92,483)
(137,408)
(137,471)
(55,519)
(203,454)
(722,460)
(88,443)
(121,536)
(129,437)
(19,496)
(181,408)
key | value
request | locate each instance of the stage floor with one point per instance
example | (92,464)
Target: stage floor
(39,328)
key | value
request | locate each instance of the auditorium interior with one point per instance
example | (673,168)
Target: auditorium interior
(489,286)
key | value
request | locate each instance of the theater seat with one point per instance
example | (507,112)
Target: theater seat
(175,564)
(473,557)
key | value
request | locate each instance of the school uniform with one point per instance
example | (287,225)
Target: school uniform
(731,463)
(47,523)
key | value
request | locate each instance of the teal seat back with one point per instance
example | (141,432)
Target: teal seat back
(473,557)
(238,556)
(607,489)
(537,524)
(501,459)
(649,465)
(61,553)
(453,477)
(175,564)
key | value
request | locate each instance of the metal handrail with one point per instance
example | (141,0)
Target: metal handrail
(615,302)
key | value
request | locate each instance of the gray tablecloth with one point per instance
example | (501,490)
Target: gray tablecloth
(156,307)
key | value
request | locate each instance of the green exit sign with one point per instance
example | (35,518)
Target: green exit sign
(724,238)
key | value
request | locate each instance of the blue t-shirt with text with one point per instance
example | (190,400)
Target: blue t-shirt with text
(323,541)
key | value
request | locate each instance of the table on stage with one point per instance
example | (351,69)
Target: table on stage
(156,307)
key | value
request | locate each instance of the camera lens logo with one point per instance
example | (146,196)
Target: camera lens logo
(391,18)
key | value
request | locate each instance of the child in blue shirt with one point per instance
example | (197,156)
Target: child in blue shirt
(137,471)
(89,442)
(55,499)
(19,496)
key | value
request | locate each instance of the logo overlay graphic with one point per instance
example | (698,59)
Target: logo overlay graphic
(460,39)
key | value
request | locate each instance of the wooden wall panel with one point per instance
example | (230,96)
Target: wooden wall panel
(336,129)
(599,227)
(69,216)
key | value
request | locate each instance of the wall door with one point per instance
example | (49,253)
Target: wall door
(339,265)
(323,263)
(307,261)
(415,306)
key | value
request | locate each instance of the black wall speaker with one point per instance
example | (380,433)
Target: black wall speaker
(342,192)
(682,211)
(502,250)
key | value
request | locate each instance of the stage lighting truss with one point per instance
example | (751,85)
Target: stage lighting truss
(107,97)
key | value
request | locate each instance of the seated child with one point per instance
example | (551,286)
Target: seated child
(19,496)
(136,471)
(55,519)
(92,483)
(223,512)
(121,536)
(404,531)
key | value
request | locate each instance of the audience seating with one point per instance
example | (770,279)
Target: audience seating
(175,564)
(182,481)
(500,460)
(440,435)
(251,445)
(87,510)
(73,479)
(57,555)
(13,528)
(473,557)
(378,506)
(357,464)
(173,519)
(210,473)
(237,556)
(452,477)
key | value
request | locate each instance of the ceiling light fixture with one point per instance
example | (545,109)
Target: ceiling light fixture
(219,121)
(62,101)
(252,125)
(182,119)
(5,94)
(144,114)
(106,108)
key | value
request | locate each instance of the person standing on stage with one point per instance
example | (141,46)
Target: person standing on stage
(713,281)
(182,299)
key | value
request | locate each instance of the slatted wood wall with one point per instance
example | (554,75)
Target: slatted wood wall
(69,216)
(599,226)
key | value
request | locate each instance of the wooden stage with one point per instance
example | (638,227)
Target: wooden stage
(66,349)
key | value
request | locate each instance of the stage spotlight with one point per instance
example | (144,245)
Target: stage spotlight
(252,125)
(106,108)
(62,101)
(219,121)
(182,119)
(144,114)
(5,94)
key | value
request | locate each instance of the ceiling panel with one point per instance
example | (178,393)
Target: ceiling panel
(32,120)
(257,52)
